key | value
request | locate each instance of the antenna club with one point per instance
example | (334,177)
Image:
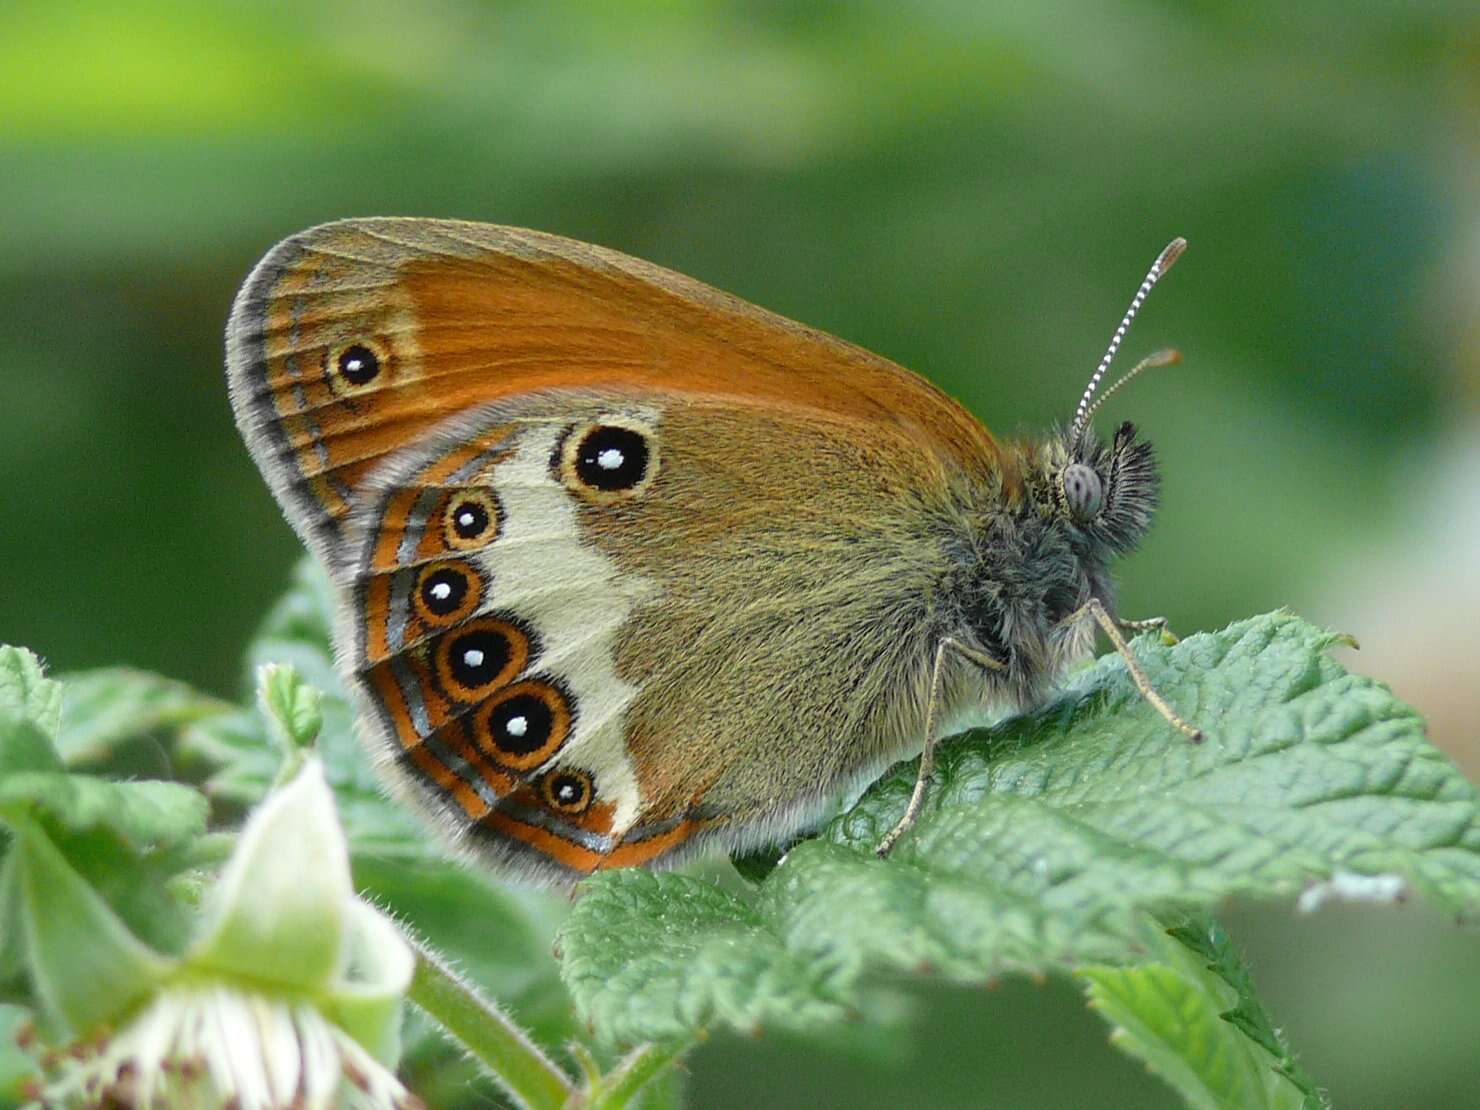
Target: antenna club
(1170,253)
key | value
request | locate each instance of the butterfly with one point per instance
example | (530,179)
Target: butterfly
(627,565)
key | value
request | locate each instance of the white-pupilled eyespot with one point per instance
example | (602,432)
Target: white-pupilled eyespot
(356,366)
(478,657)
(447,592)
(470,520)
(525,724)
(608,461)
(567,790)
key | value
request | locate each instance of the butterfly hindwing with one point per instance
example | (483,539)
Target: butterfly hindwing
(483,633)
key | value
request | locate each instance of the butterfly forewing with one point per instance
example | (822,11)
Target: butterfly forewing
(351,340)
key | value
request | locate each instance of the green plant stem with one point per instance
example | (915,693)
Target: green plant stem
(639,1068)
(529,1077)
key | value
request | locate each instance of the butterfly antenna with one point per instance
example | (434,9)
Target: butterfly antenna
(1168,357)
(1164,261)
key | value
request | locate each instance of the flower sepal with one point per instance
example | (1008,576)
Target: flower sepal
(290,994)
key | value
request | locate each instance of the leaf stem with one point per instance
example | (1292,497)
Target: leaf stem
(525,1073)
(636,1070)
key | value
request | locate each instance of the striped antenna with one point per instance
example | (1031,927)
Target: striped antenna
(1168,357)
(1163,263)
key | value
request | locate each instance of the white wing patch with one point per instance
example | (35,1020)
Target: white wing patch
(573,598)
(576,600)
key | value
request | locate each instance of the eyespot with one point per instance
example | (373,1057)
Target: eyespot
(608,461)
(612,458)
(358,364)
(568,791)
(525,725)
(471,520)
(1082,492)
(447,592)
(478,658)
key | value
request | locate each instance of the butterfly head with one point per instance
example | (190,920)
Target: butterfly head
(1102,495)
(1080,503)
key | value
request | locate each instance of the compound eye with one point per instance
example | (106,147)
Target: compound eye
(1083,494)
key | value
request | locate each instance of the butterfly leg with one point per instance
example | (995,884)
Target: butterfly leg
(1158,624)
(927,755)
(1093,608)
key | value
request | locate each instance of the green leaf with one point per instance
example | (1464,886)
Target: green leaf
(240,755)
(12,938)
(30,709)
(1206,939)
(1190,1013)
(299,630)
(103,708)
(656,957)
(86,965)
(294,640)
(128,840)
(24,748)
(1046,838)
(294,707)
(140,814)
(26,694)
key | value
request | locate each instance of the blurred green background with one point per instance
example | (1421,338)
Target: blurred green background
(973,189)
